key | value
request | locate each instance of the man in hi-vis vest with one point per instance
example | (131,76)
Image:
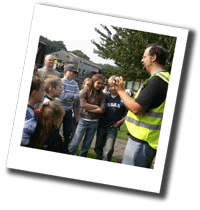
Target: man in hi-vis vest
(145,114)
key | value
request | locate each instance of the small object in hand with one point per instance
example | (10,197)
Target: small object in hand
(116,79)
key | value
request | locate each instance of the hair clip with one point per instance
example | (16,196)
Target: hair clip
(46,103)
(36,111)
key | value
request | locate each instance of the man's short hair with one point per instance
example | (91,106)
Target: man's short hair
(48,56)
(36,84)
(50,81)
(159,51)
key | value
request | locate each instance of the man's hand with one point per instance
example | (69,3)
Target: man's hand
(119,84)
(129,102)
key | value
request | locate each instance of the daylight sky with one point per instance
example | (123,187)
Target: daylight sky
(77,28)
(76,31)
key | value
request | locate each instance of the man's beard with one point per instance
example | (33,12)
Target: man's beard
(147,67)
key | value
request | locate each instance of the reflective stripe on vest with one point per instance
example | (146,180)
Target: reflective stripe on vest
(163,77)
(154,114)
(143,124)
(147,126)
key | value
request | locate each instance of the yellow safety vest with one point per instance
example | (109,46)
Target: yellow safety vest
(147,126)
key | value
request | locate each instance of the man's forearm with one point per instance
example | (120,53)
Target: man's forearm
(130,103)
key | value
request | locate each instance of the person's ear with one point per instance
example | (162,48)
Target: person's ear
(50,88)
(153,57)
(33,93)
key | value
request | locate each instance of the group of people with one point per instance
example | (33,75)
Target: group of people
(54,101)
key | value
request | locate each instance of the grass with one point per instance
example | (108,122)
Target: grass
(122,133)
(92,154)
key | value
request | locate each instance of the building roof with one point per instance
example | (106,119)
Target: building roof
(66,56)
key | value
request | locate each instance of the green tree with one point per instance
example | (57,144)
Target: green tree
(80,54)
(109,70)
(52,46)
(126,47)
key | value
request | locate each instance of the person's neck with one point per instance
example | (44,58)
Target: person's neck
(31,102)
(51,96)
(69,78)
(155,68)
(94,90)
(114,94)
(49,68)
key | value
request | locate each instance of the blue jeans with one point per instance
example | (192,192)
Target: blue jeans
(105,141)
(87,128)
(138,154)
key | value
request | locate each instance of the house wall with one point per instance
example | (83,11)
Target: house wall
(88,68)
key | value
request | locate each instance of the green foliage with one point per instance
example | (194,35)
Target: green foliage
(126,47)
(109,70)
(80,54)
(52,46)
(122,133)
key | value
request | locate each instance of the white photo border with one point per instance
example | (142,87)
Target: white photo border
(87,169)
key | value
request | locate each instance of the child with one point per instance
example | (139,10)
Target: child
(106,90)
(76,107)
(93,103)
(86,84)
(112,118)
(52,88)
(35,96)
(69,95)
(49,120)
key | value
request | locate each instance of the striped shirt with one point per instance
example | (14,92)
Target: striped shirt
(68,99)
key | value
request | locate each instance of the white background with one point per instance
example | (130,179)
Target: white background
(181,175)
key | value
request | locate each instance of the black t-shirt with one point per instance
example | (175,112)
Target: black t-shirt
(153,94)
(115,111)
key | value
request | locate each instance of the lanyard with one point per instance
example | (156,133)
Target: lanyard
(151,76)
(157,71)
